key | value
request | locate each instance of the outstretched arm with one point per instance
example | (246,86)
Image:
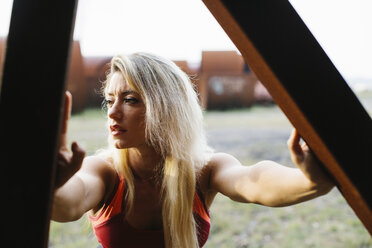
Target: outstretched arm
(80,186)
(86,190)
(269,183)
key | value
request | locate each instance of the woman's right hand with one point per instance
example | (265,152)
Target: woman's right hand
(68,161)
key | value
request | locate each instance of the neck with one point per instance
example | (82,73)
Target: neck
(144,163)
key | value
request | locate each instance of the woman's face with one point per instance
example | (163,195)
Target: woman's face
(126,114)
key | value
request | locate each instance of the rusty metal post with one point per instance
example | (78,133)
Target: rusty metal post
(32,94)
(302,80)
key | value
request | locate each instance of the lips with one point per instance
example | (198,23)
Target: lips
(116,130)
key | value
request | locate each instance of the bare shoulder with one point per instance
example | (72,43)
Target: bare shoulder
(216,165)
(96,164)
(222,160)
(218,162)
(101,169)
(100,178)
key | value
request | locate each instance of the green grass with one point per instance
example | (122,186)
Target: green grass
(324,222)
(327,221)
(76,234)
(257,117)
(88,128)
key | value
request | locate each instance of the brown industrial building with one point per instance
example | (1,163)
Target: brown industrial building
(222,80)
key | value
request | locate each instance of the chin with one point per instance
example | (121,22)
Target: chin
(125,144)
(119,145)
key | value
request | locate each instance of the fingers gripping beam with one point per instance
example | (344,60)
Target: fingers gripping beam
(285,56)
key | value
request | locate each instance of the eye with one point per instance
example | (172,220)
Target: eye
(131,100)
(109,102)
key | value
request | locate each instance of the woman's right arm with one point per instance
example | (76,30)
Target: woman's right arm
(85,190)
(81,184)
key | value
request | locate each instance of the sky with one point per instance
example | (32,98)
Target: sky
(181,29)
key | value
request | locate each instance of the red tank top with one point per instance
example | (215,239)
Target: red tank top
(113,231)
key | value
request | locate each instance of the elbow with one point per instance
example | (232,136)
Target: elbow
(73,217)
(324,188)
(64,216)
(63,213)
(317,189)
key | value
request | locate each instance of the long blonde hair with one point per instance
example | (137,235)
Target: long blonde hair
(174,127)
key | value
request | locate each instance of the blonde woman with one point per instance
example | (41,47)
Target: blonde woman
(154,185)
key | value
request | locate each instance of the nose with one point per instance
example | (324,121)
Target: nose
(115,112)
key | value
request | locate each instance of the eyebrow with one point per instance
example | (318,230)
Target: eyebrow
(124,93)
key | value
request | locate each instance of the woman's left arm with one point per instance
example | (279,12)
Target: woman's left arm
(269,183)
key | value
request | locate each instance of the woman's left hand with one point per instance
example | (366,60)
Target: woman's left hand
(306,161)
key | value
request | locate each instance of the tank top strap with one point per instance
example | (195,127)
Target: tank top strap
(113,205)
(199,207)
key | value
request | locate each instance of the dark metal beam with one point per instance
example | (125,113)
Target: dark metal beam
(32,94)
(308,88)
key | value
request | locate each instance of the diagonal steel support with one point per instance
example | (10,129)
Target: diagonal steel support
(32,93)
(308,88)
